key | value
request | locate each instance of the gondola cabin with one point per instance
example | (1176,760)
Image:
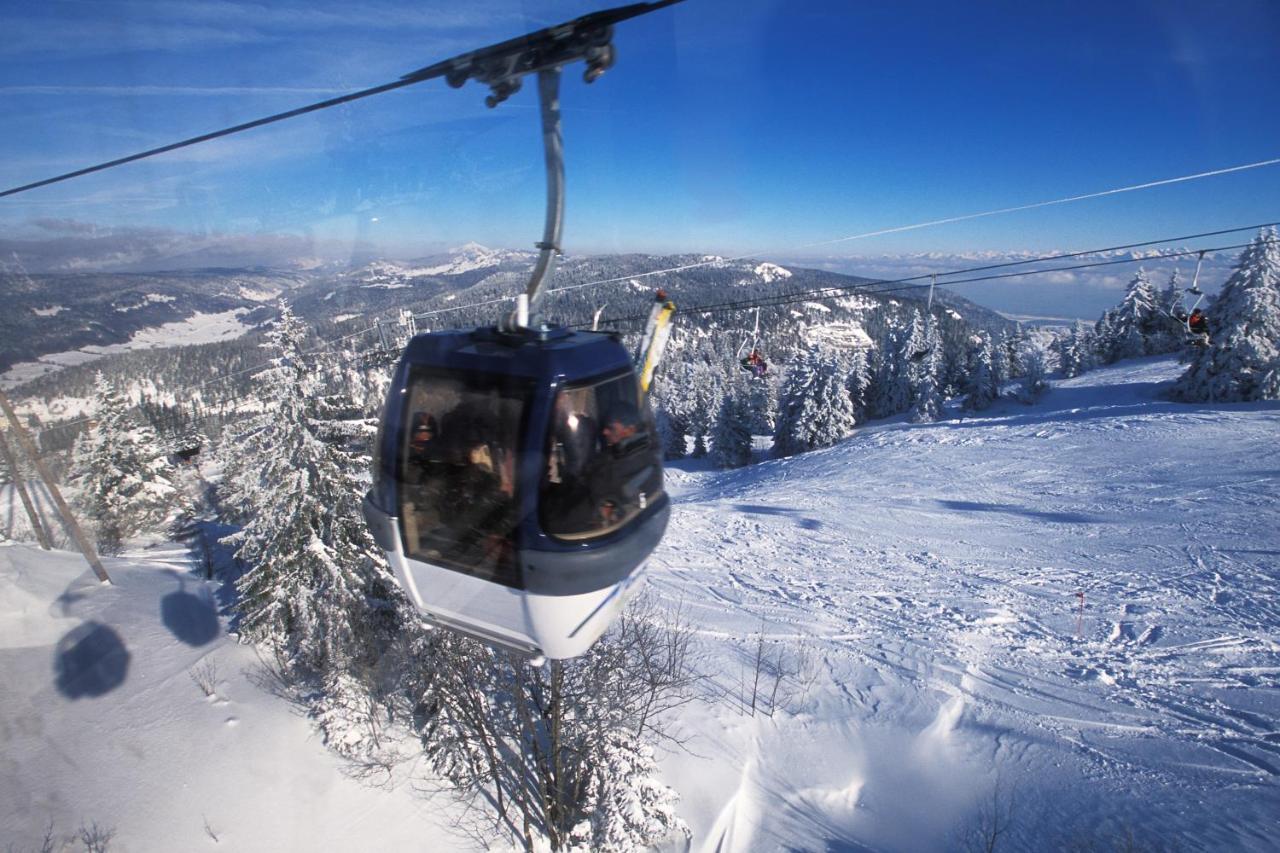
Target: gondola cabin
(518,484)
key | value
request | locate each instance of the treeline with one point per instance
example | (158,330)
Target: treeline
(1235,359)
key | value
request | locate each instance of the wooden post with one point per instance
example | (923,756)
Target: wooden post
(36,524)
(24,440)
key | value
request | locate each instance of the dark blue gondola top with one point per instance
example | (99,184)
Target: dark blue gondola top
(543,357)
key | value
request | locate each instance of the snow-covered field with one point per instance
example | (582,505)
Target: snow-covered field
(923,583)
(199,328)
(935,570)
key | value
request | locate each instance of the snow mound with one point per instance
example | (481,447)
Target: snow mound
(771,272)
(839,336)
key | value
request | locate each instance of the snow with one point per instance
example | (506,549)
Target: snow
(103,722)
(465,258)
(770,273)
(840,336)
(149,299)
(933,570)
(924,581)
(199,328)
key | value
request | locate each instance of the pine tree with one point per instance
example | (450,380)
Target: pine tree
(731,439)
(858,384)
(126,480)
(1001,364)
(983,388)
(815,408)
(1077,351)
(1104,338)
(1243,360)
(1064,348)
(892,393)
(294,481)
(1014,347)
(1035,372)
(925,357)
(1136,319)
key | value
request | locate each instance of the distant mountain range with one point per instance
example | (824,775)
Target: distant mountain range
(63,312)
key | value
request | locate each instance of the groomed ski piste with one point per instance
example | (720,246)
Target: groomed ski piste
(1063,618)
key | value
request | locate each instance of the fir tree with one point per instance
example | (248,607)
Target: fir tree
(1064,347)
(294,481)
(892,393)
(1035,372)
(983,388)
(1001,364)
(126,480)
(1242,361)
(815,409)
(923,368)
(858,384)
(1015,345)
(1136,319)
(731,439)
(1104,333)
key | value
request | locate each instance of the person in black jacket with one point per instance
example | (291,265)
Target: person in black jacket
(622,467)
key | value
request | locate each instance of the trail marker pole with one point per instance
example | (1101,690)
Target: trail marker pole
(69,519)
(36,524)
(1080,615)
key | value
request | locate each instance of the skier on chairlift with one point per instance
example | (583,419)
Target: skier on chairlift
(1198,323)
(756,364)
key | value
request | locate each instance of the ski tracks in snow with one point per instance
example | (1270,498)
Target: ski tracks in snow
(1042,577)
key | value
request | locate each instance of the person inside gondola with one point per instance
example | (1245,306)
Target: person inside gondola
(622,466)
(424,472)
(573,444)
(423,447)
(477,499)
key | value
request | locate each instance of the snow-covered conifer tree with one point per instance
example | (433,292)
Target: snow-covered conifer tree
(1137,318)
(892,392)
(1035,372)
(1104,338)
(1066,344)
(1001,365)
(293,481)
(1076,350)
(1242,361)
(858,384)
(983,388)
(815,408)
(627,807)
(731,437)
(126,479)
(1013,348)
(923,367)
(706,397)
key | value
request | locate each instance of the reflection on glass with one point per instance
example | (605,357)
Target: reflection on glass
(457,472)
(603,462)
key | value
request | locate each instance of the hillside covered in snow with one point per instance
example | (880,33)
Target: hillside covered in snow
(1057,623)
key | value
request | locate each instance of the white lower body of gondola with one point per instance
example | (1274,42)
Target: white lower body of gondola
(554,626)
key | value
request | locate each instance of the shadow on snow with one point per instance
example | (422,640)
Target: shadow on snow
(90,661)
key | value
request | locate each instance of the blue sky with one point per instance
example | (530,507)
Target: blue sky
(728,127)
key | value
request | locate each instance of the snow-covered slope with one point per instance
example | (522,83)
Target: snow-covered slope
(920,583)
(102,722)
(932,575)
